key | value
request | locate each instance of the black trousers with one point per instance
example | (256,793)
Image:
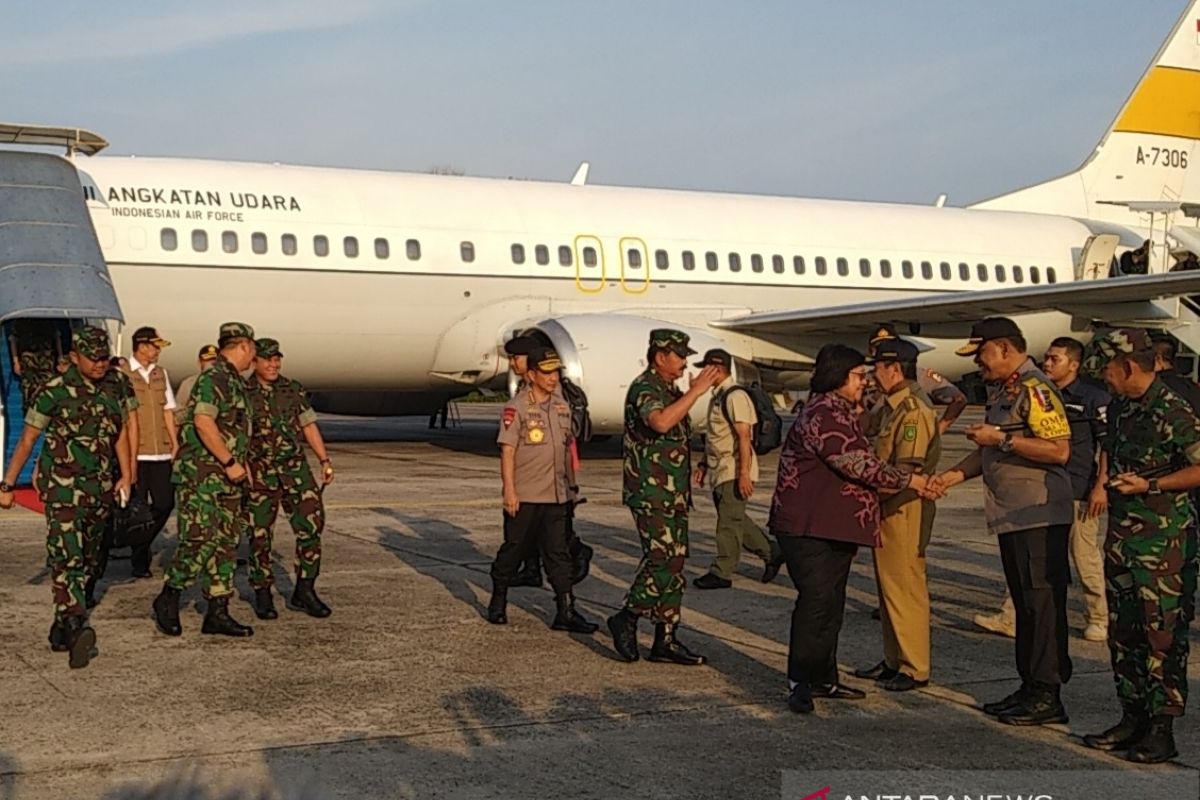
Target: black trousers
(153,489)
(819,569)
(1035,567)
(537,526)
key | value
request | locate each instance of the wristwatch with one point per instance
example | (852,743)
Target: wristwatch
(4,487)
(1154,487)
(1006,444)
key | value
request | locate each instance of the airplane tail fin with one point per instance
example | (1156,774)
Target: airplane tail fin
(1149,150)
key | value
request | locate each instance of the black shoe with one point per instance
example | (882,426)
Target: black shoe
(80,639)
(139,563)
(142,572)
(903,682)
(89,594)
(58,637)
(1009,703)
(530,575)
(568,619)
(1130,730)
(264,604)
(837,691)
(771,568)
(166,611)
(800,699)
(668,650)
(623,627)
(497,612)
(581,560)
(710,581)
(304,598)
(1158,745)
(1042,707)
(879,672)
(217,620)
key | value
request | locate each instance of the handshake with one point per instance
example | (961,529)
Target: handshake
(934,487)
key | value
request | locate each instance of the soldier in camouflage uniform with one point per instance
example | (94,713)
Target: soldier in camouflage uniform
(279,475)
(210,478)
(84,448)
(1152,451)
(657,470)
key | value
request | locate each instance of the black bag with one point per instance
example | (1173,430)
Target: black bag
(767,433)
(581,423)
(132,525)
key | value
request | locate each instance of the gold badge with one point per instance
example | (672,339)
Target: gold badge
(536,435)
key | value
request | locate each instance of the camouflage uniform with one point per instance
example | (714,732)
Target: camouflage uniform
(211,507)
(37,369)
(1149,552)
(76,470)
(116,385)
(657,474)
(280,474)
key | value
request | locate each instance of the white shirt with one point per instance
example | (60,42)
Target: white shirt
(146,372)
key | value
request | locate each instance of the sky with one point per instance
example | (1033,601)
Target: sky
(857,99)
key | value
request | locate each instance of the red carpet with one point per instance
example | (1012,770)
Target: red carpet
(28,498)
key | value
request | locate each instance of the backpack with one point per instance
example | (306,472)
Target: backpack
(767,433)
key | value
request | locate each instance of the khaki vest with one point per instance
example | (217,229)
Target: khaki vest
(153,439)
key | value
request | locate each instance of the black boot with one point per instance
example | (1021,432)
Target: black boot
(1158,744)
(1010,703)
(581,560)
(1130,729)
(166,611)
(139,561)
(80,639)
(568,619)
(304,598)
(498,606)
(530,573)
(218,621)
(1043,707)
(58,637)
(668,649)
(623,626)
(264,604)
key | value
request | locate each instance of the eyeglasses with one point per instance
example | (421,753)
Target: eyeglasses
(860,373)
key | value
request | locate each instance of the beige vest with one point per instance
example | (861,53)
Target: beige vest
(153,439)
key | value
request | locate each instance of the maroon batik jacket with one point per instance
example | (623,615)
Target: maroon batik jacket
(829,476)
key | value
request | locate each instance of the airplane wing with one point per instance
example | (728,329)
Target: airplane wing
(1117,301)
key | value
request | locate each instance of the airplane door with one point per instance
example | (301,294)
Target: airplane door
(589,264)
(635,266)
(1097,256)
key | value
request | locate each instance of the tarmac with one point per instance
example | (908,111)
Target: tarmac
(407,691)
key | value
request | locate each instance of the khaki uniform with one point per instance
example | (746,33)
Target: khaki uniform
(908,437)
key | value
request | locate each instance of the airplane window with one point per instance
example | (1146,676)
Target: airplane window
(518,253)
(864,267)
(945,267)
(1000,274)
(1018,275)
(710,261)
(288,244)
(229,242)
(350,247)
(565,257)
(661,260)
(467,251)
(777,264)
(689,260)
(821,268)
(1050,276)
(1034,277)
(927,270)
(756,263)
(964,272)
(200,241)
(258,243)
(541,254)
(906,267)
(412,248)
(885,268)
(633,257)
(589,257)
(321,245)
(382,249)
(169,239)
(798,265)
(735,262)
(843,267)
(982,271)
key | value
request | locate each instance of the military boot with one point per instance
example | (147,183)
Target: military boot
(304,598)
(58,637)
(568,619)
(218,621)
(497,612)
(668,649)
(581,560)
(166,611)
(623,626)
(1043,706)
(530,573)
(1009,703)
(1129,730)
(264,604)
(1158,744)
(80,638)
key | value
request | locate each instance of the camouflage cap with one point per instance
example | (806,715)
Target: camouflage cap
(267,348)
(1113,344)
(91,342)
(672,340)
(234,330)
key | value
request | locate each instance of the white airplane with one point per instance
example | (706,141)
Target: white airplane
(392,291)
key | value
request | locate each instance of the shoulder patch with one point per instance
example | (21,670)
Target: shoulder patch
(910,432)
(510,414)
(934,376)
